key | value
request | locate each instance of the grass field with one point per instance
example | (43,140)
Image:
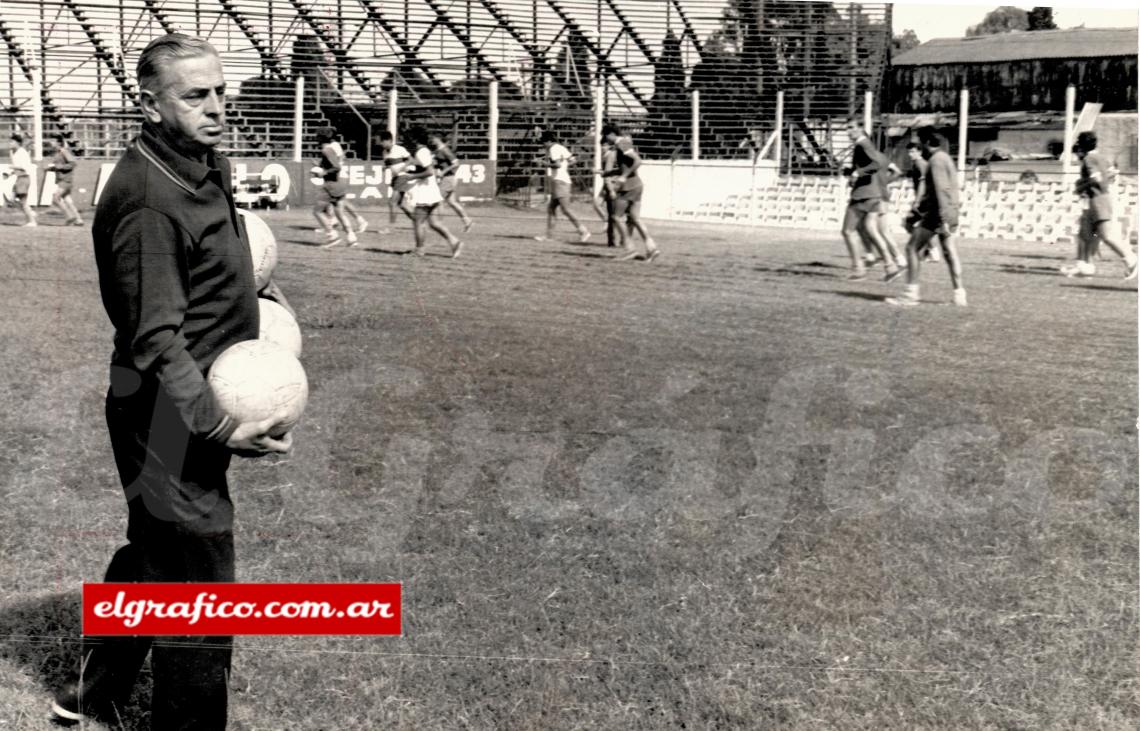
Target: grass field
(725,490)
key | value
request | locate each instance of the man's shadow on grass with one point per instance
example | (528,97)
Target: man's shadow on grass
(42,637)
(856,295)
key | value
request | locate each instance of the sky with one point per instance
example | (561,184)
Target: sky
(929,19)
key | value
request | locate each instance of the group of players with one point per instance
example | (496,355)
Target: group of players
(425,178)
(934,215)
(23,170)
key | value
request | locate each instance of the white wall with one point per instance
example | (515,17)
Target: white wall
(670,186)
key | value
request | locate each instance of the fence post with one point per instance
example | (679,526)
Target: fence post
(963,133)
(599,103)
(493,121)
(868,116)
(393,110)
(298,118)
(37,121)
(1070,130)
(779,130)
(696,125)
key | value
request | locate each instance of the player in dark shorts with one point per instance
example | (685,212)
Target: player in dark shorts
(63,165)
(330,195)
(937,216)
(917,174)
(627,195)
(397,159)
(1097,222)
(607,194)
(446,164)
(866,200)
(21,166)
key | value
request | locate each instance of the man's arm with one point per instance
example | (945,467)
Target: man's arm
(150,295)
(876,158)
(630,153)
(452,163)
(943,178)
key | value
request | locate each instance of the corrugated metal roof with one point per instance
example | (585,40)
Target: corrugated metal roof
(1023,46)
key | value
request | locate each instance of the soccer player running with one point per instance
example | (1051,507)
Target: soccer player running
(424,196)
(937,217)
(63,165)
(558,160)
(608,193)
(23,169)
(178,286)
(628,189)
(1097,223)
(330,196)
(866,198)
(396,162)
(446,165)
(917,175)
(879,221)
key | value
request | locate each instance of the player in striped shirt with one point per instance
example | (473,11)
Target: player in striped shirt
(63,165)
(1097,221)
(446,165)
(397,159)
(423,194)
(330,196)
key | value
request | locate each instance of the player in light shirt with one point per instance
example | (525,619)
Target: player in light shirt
(1097,221)
(558,160)
(423,195)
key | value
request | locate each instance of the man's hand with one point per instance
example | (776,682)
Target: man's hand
(252,439)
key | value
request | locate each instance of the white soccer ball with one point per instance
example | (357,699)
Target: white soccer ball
(255,380)
(262,248)
(279,327)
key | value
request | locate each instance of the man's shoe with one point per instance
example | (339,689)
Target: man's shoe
(960,297)
(1130,273)
(893,274)
(857,276)
(653,254)
(468,224)
(629,255)
(542,238)
(583,236)
(903,301)
(455,250)
(72,704)
(361,226)
(901,261)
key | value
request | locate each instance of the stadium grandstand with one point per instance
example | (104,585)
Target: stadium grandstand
(645,62)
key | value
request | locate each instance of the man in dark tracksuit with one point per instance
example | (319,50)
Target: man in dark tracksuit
(936,216)
(177,283)
(866,197)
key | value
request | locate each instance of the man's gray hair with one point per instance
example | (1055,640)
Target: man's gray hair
(164,49)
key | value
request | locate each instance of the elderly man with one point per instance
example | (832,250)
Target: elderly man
(177,282)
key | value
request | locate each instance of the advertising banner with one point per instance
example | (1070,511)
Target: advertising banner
(261,182)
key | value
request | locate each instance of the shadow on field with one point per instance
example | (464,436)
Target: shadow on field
(1101,287)
(1022,269)
(1045,257)
(42,637)
(855,295)
(589,255)
(790,270)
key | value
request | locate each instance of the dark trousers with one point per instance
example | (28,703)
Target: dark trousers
(610,230)
(180,529)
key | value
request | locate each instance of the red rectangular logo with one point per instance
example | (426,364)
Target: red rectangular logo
(241,609)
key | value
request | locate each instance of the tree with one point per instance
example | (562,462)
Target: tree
(1041,18)
(904,41)
(1002,20)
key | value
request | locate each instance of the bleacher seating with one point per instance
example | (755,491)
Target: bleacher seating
(1045,211)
